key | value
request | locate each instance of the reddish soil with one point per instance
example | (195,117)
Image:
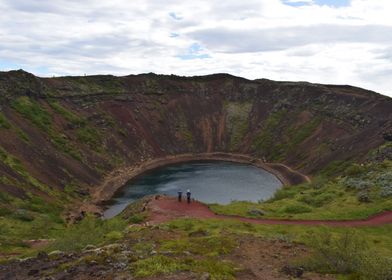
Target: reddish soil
(164,208)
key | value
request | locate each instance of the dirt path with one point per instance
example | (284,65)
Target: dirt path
(164,209)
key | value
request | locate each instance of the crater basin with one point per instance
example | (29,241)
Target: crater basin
(209,182)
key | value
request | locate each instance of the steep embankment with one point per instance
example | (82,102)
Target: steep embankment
(60,137)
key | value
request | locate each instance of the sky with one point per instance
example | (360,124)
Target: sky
(323,41)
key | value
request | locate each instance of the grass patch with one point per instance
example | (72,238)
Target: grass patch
(67,114)
(263,142)
(206,246)
(33,111)
(4,122)
(378,238)
(89,231)
(237,119)
(296,209)
(16,165)
(158,265)
(348,254)
(89,136)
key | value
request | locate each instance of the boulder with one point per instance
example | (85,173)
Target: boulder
(387,136)
(256,212)
(294,271)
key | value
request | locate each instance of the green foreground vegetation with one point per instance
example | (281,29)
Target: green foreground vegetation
(200,246)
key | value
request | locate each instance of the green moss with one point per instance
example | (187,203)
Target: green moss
(67,114)
(4,197)
(348,254)
(137,218)
(23,135)
(33,111)
(279,136)
(4,122)
(297,135)
(188,136)
(143,247)
(6,125)
(379,237)
(4,211)
(184,131)
(61,142)
(335,167)
(95,84)
(264,141)
(296,208)
(90,230)
(237,122)
(89,136)
(31,218)
(40,117)
(159,265)
(205,246)
(114,236)
(16,165)
(122,132)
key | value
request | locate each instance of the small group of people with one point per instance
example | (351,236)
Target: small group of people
(188,196)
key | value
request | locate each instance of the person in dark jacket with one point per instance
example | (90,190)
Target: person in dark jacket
(188,196)
(179,196)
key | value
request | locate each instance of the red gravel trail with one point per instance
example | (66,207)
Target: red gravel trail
(163,209)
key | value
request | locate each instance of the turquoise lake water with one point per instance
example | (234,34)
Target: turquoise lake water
(209,182)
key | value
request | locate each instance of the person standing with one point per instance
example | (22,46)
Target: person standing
(188,196)
(179,196)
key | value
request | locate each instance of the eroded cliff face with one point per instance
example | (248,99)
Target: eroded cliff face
(60,136)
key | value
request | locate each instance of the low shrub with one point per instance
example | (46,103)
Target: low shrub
(23,215)
(296,209)
(114,235)
(356,183)
(90,230)
(317,200)
(283,193)
(5,211)
(384,180)
(210,245)
(158,265)
(363,196)
(3,122)
(346,253)
(386,191)
(355,170)
(137,218)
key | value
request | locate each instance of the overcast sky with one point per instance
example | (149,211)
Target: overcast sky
(326,41)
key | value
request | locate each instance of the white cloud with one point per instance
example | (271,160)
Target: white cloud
(254,39)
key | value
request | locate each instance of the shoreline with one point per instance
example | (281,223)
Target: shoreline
(115,180)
